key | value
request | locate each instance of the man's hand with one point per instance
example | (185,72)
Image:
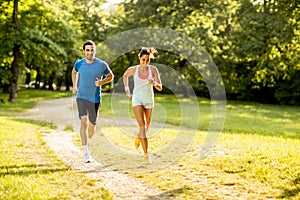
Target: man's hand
(98,82)
(74,90)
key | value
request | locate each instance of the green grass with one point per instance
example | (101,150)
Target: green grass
(241,117)
(27,98)
(256,157)
(28,168)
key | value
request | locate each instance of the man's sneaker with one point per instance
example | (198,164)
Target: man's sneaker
(87,156)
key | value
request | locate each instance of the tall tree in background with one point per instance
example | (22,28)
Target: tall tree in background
(91,17)
(16,55)
(263,45)
(43,37)
(255,44)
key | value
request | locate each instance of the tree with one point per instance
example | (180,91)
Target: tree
(254,43)
(41,40)
(16,56)
(265,48)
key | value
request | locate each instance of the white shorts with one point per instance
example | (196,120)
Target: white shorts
(137,102)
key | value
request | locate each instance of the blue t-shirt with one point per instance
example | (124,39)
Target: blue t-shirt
(87,77)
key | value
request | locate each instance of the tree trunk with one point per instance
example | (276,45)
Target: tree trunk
(68,78)
(15,75)
(16,54)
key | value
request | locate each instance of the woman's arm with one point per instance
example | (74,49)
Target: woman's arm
(129,72)
(156,79)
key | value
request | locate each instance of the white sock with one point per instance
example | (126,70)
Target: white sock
(86,148)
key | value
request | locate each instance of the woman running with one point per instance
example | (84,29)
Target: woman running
(145,77)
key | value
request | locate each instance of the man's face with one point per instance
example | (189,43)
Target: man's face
(89,52)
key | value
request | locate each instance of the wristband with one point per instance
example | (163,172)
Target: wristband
(126,88)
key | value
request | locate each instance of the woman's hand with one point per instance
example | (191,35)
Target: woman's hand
(151,81)
(127,91)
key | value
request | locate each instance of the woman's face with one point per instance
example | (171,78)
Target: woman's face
(144,60)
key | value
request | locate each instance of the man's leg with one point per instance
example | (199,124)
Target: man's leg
(84,138)
(83,127)
(93,118)
(91,130)
(82,110)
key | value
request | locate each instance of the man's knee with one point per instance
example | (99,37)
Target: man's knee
(91,126)
(83,120)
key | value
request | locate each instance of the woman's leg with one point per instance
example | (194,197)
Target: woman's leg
(139,112)
(148,116)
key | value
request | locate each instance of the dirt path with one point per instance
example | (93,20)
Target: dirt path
(120,185)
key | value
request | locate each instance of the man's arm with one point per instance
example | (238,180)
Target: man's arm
(108,78)
(74,81)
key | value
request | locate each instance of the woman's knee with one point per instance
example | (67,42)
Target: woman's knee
(142,132)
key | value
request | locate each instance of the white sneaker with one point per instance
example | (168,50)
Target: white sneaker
(149,159)
(87,156)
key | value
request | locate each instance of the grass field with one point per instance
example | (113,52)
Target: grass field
(29,169)
(256,157)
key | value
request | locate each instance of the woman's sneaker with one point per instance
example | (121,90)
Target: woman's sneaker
(137,143)
(148,158)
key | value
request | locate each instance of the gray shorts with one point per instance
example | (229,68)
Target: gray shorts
(88,108)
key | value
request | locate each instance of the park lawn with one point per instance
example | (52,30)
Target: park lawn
(29,169)
(240,117)
(256,157)
(27,98)
(241,166)
(248,166)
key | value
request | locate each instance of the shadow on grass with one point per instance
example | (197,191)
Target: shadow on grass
(170,194)
(289,193)
(20,166)
(25,170)
(36,122)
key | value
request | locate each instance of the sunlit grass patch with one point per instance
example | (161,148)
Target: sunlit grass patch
(69,128)
(168,109)
(251,166)
(256,157)
(114,146)
(27,98)
(242,165)
(29,170)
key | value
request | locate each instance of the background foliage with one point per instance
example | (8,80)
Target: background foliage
(254,43)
